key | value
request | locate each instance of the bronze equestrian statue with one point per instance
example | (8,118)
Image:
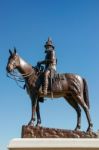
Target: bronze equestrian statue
(71,87)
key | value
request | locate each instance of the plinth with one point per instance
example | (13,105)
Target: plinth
(54,144)
(42,132)
(40,138)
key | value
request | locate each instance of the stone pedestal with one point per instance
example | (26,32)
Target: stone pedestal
(54,144)
(40,138)
(42,132)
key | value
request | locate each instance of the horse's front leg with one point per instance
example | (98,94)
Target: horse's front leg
(34,105)
(38,114)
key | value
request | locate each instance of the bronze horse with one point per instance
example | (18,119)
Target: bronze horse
(73,88)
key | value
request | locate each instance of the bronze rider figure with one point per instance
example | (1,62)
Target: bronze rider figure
(50,63)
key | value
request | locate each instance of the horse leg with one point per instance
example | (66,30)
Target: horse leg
(38,114)
(81,101)
(85,107)
(34,105)
(74,104)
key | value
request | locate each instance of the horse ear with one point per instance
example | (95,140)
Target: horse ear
(10,52)
(14,50)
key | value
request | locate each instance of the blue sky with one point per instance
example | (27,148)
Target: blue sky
(73,26)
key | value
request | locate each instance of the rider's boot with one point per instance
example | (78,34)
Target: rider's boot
(45,86)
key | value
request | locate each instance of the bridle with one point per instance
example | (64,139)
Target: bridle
(16,76)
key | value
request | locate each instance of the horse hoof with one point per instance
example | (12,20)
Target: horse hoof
(77,128)
(89,130)
(38,125)
(31,123)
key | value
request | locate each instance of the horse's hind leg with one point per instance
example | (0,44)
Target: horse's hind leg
(74,104)
(85,107)
(81,101)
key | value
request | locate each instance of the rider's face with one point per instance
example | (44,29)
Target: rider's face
(48,48)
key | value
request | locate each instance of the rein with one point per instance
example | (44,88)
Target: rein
(18,78)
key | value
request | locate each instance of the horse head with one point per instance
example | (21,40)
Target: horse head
(13,61)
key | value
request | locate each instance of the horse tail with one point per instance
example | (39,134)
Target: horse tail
(85,92)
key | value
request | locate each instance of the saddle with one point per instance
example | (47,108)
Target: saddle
(57,81)
(54,82)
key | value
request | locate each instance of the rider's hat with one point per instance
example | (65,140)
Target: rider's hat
(49,43)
